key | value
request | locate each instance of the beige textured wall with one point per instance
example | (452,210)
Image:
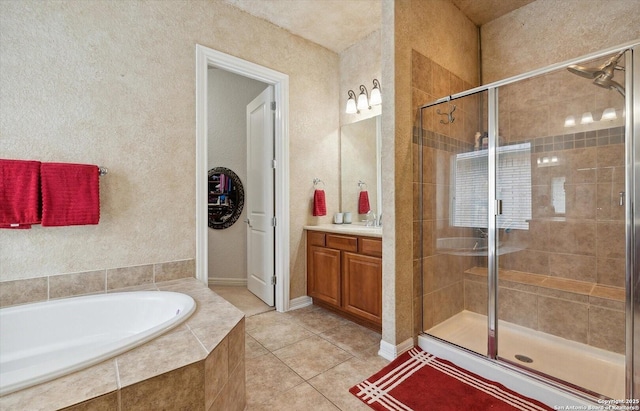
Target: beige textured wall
(113,83)
(550,31)
(442,33)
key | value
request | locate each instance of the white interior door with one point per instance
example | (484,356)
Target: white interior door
(260,197)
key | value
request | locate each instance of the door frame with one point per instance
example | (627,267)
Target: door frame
(205,58)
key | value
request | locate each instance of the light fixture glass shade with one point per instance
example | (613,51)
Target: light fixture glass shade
(351,106)
(362,102)
(376,98)
(570,121)
(587,118)
(609,114)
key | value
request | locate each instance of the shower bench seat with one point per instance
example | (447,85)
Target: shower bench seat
(584,312)
(555,283)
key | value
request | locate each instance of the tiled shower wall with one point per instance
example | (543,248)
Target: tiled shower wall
(586,244)
(438,288)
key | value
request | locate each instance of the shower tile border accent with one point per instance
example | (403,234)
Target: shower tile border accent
(595,138)
(32,290)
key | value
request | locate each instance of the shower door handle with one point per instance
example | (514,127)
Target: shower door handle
(621,203)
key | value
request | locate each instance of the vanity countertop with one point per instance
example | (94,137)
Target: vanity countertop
(352,229)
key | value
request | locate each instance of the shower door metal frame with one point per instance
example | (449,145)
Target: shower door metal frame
(492,251)
(632,220)
(632,215)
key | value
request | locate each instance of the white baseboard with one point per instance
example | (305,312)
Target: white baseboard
(228,282)
(391,352)
(300,302)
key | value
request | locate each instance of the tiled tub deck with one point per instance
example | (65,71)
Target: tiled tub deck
(198,365)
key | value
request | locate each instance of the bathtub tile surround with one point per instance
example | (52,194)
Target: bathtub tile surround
(194,366)
(92,282)
(179,389)
(141,364)
(104,403)
(64,391)
(24,291)
(69,285)
(129,276)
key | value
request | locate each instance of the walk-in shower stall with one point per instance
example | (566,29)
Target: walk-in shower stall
(528,192)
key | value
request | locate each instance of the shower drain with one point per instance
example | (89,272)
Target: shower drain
(523,358)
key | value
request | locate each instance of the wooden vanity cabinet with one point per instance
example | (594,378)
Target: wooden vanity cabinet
(344,274)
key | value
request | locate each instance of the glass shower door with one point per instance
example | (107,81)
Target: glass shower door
(560,232)
(452,219)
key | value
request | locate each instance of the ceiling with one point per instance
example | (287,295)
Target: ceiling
(338,24)
(334,24)
(483,11)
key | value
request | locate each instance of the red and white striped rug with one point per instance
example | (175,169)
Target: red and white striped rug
(418,381)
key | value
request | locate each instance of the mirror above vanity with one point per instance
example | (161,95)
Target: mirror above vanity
(360,144)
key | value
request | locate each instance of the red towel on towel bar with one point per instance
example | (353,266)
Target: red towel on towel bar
(70,194)
(19,193)
(363,203)
(319,203)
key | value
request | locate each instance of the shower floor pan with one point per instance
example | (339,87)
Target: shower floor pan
(592,368)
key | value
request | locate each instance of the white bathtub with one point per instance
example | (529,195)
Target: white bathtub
(43,341)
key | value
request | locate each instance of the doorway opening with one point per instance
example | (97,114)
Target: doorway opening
(255,78)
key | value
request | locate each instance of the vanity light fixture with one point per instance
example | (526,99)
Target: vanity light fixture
(609,114)
(363,99)
(351,103)
(587,118)
(376,97)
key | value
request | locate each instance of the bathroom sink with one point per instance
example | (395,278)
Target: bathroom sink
(346,229)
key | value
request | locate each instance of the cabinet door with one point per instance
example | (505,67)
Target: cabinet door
(323,274)
(362,286)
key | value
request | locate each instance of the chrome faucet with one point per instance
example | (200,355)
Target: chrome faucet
(371,220)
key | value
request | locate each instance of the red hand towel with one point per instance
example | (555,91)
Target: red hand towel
(19,193)
(70,194)
(319,203)
(363,203)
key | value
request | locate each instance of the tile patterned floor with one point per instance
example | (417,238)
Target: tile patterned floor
(304,359)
